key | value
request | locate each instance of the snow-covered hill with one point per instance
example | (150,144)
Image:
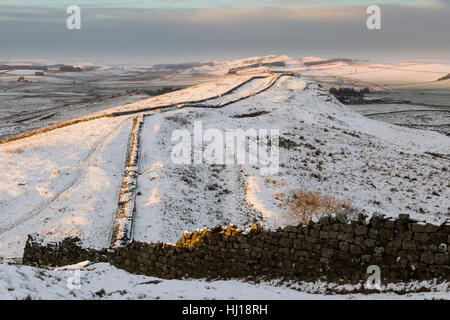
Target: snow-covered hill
(336,71)
(65,182)
(254,64)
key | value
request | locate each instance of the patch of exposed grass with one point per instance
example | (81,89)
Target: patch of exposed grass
(178,119)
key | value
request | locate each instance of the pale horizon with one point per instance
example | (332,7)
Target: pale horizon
(150,32)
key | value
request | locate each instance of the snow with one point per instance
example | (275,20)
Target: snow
(26,72)
(378,166)
(103,281)
(312,59)
(62,183)
(369,109)
(377,75)
(207,90)
(222,67)
(66,182)
(244,91)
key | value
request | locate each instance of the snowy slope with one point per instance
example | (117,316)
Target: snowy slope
(66,182)
(103,281)
(62,183)
(376,75)
(327,148)
(222,67)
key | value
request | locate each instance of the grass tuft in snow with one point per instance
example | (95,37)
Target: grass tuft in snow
(303,205)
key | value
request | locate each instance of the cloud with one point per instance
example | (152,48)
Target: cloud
(240,15)
(228,32)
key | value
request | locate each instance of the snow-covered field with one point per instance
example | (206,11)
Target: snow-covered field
(103,281)
(62,183)
(414,116)
(398,75)
(379,75)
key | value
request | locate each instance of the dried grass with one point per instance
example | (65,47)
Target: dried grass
(178,119)
(17,150)
(303,205)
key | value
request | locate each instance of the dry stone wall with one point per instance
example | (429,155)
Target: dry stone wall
(331,249)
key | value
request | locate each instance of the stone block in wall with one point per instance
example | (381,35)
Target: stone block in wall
(335,227)
(421,237)
(412,258)
(333,234)
(290,229)
(401,225)
(441,259)
(328,253)
(346,228)
(324,235)
(418,227)
(386,234)
(396,243)
(431,228)
(373,233)
(343,246)
(369,243)
(409,245)
(324,221)
(427,257)
(355,250)
(388,224)
(361,230)
(439,237)
(404,235)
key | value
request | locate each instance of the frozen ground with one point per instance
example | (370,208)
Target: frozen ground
(62,183)
(103,281)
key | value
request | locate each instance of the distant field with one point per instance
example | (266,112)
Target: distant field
(43,100)
(436,96)
(409,115)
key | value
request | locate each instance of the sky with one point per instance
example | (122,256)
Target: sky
(171,31)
